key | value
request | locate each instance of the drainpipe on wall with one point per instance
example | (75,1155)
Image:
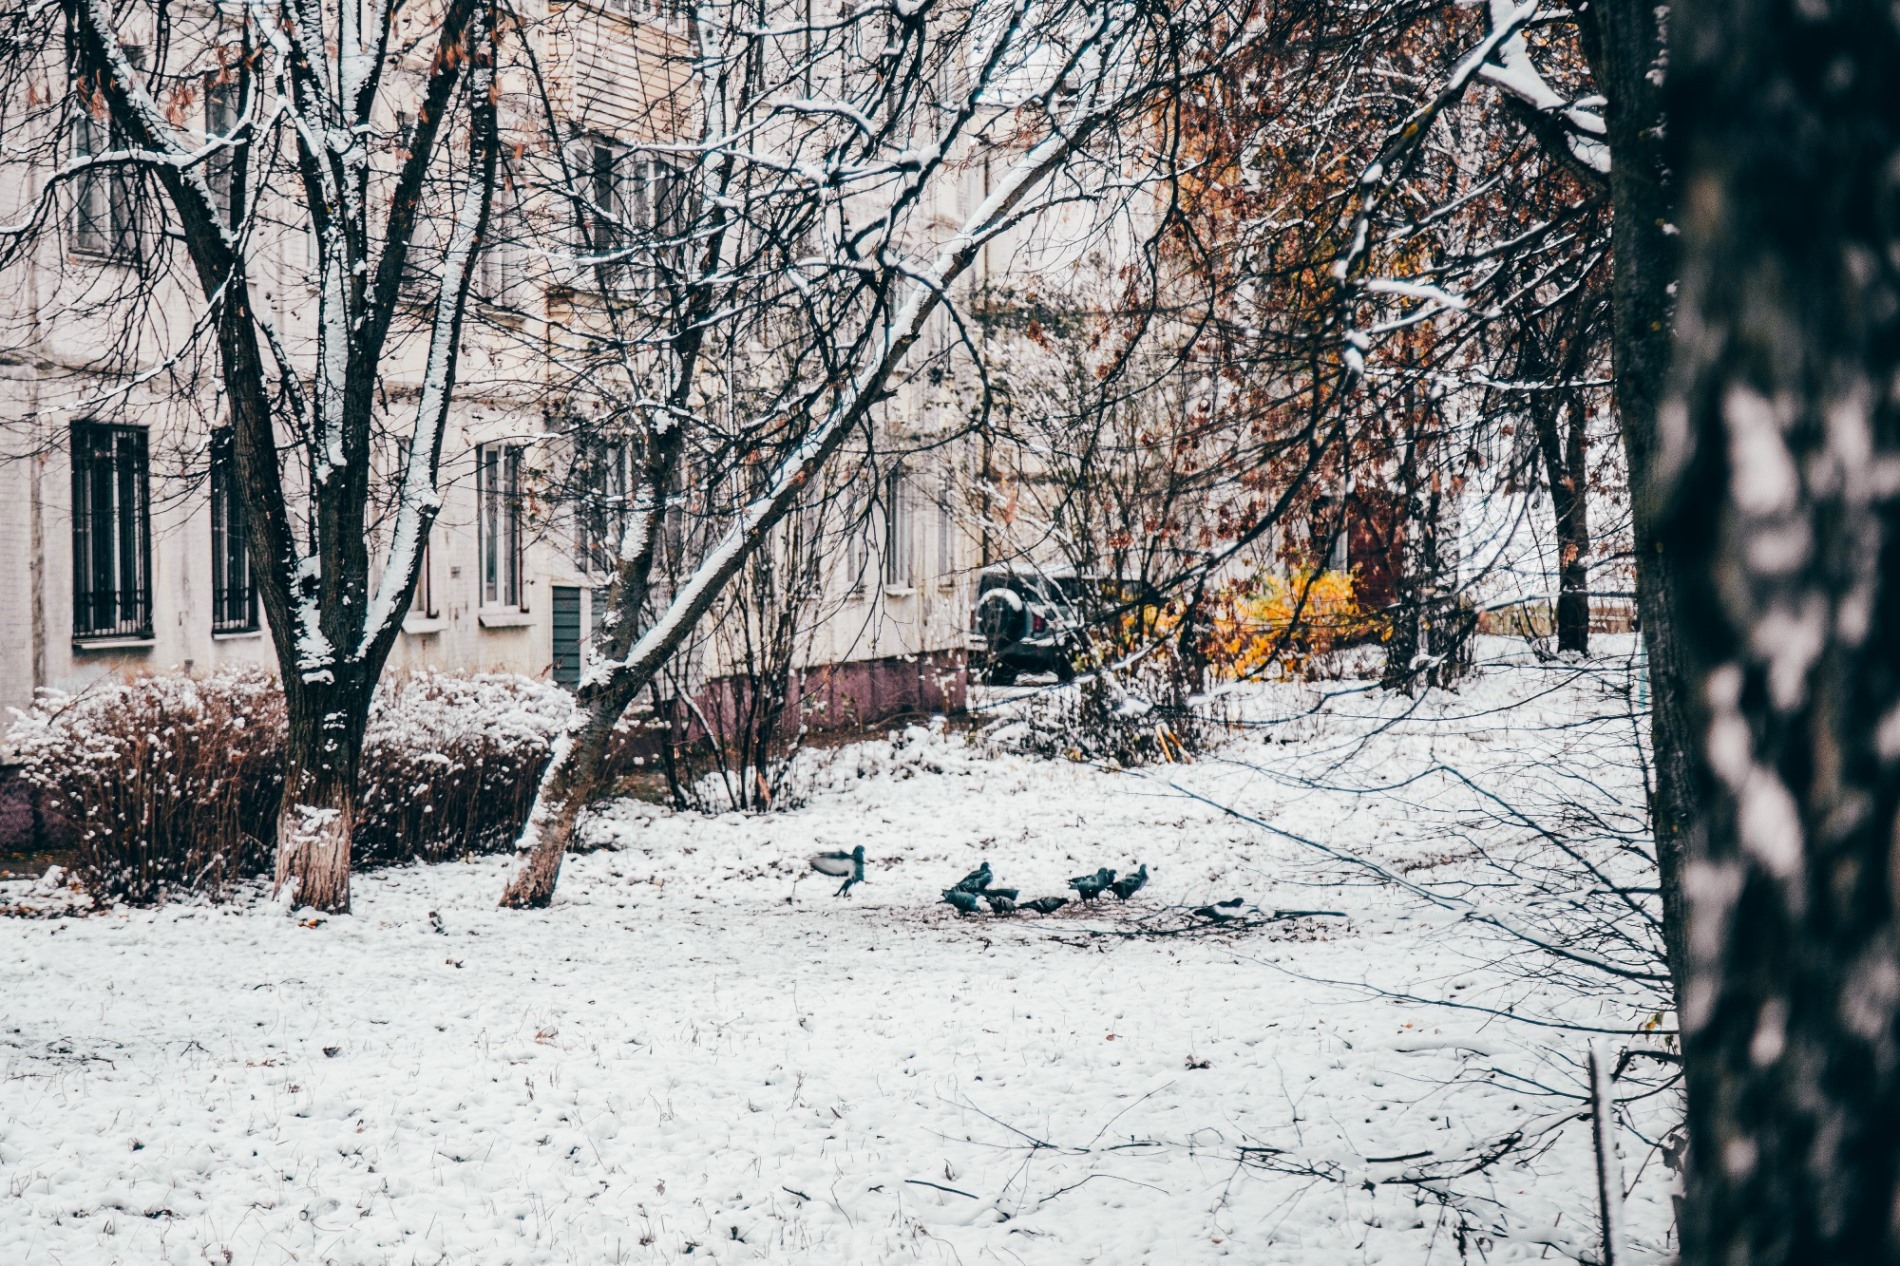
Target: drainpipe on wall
(36,477)
(36,558)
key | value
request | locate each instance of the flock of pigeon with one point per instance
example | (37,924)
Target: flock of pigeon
(973,891)
(975,886)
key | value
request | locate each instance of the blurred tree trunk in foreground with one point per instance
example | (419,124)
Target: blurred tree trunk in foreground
(1778,486)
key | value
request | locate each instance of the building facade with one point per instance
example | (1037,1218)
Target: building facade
(122,546)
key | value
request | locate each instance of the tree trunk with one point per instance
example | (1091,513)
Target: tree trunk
(1429,647)
(1623,42)
(1565,455)
(317,816)
(1573,543)
(1783,519)
(570,781)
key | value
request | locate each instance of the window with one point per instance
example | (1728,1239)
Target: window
(233,595)
(102,196)
(896,531)
(498,523)
(632,201)
(605,214)
(422,604)
(422,601)
(665,10)
(112,532)
(221,120)
(600,509)
(104,220)
(496,267)
(946,536)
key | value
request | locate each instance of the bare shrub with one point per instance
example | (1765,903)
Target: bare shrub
(172,782)
(451,763)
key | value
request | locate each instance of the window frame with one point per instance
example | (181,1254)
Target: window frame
(498,536)
(223,111)
(102,218)
(97,134)
(233,583)
(602,502)
(946,536)
(101,548)
(422,601)
(899,566)
(632,199)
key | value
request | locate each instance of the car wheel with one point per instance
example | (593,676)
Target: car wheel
(1000,675)
(1065,669)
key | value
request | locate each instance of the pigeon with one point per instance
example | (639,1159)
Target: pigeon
(965,902)
(1128,885)
(848,866)
(1046,905)
(976,881)
(1089,887)
(999,902)
(1010,893)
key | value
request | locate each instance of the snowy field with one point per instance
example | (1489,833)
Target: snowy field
(699,1055)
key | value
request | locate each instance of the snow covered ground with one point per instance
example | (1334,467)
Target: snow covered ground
(699,1055)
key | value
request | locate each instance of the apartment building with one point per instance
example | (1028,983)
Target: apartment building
(123,548)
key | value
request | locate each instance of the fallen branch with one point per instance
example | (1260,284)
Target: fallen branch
(918,1182)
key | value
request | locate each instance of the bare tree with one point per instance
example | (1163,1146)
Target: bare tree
(1780,510)
(826,164)
(222,137)
(1490,142)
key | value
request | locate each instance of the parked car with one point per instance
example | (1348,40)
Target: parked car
(1026,621)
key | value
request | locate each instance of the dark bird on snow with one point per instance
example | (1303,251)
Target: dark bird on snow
(976,881)
(1128,885)
(1011,893)
(965,902)
(1002,901)
(1046,905)
(847,866)
(1089,887)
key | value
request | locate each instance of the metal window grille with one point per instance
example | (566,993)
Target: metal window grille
(233,591)
(112,532)
(601,510)
(498,499)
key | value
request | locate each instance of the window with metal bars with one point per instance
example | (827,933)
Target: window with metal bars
(233,593)
(600,510)
(498,523)
(112,532)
